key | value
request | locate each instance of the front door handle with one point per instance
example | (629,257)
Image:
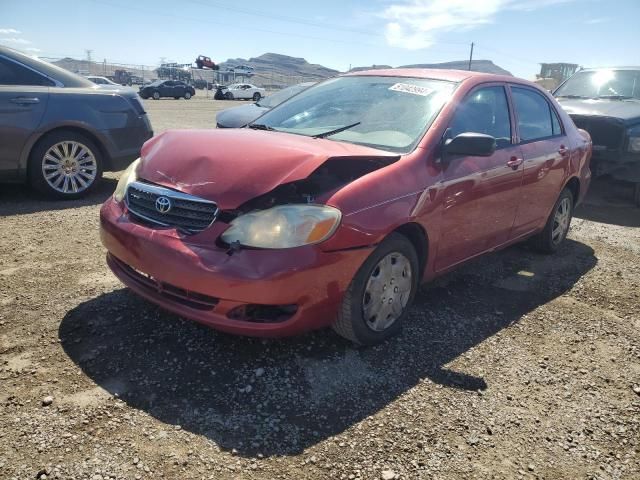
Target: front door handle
(514,162)
(25,100)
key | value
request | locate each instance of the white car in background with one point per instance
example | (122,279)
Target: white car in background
(106,84)
(244,91)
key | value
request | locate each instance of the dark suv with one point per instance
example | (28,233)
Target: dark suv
(59,131)
(167,88)
(606,103)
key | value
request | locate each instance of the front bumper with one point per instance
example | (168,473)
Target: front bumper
(620,165)
(307,277)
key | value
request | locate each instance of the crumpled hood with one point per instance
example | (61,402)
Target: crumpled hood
(626,110)
(231,166)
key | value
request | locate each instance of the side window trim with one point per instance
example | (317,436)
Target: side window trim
(552,111)
(40,74)
(510,108)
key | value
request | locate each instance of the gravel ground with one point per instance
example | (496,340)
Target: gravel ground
(518,365)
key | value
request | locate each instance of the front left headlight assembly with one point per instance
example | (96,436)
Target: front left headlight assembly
(284,226)
(634,139)
(128,176)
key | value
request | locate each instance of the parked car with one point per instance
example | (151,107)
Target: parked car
(167,88)
(244,91)
(333,208)
(59,131)
(102,81)
(606,103)
(240,116)
(106,84)
(206,62)
(245,70)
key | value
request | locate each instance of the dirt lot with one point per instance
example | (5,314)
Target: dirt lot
(517,366)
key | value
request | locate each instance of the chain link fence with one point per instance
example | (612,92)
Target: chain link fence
(133,74)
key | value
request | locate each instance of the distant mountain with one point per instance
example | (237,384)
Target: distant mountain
(277,64)
(484,66)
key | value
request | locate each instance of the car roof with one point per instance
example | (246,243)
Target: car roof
(67,78)
(449,75)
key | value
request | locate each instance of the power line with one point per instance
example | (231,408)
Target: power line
(298,20)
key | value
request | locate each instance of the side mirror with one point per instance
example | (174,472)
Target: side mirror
(470,144)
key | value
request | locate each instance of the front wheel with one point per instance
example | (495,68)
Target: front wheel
(256,96)
(557,226)
(379,296)
(228,96)
(65,165)
(156,95)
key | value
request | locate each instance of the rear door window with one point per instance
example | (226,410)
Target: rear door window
(536,118)
(13,74)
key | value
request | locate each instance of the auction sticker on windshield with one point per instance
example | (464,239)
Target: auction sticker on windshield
(413,89)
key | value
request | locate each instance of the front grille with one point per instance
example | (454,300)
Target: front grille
(605,132)
(170,208)
(170,292)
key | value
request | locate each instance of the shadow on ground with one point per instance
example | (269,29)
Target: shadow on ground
(18,199)
(278,397)
(610,201)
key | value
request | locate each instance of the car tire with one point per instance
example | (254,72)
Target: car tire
(144,97)
(257,97)
(557,226)
(228,96)
(376,283)
(156,95)
(176,98)
(65,154)
(187,95)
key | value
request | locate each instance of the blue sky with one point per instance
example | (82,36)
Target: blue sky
(515,34)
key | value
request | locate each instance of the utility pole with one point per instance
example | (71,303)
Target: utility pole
(88,52)
(471,56)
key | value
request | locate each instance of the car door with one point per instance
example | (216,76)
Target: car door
(24,94)
(480,195)
(166,89)
(546,152)
(179,89)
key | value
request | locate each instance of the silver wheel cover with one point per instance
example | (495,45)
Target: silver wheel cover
(561,221)
(69,167)
(387,291)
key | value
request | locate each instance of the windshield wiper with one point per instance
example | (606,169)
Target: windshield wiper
(337,130)
(572,96)
(615,97)
(261,126)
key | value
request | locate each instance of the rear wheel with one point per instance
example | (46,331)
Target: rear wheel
(65,165)
(187,95)
(557,226)
(380,294)
(156,95)
(256,96)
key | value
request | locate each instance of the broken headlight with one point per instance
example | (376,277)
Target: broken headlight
(284,226)
(634,139)
(128,176)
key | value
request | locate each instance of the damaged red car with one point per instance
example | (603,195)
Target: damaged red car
(330,209)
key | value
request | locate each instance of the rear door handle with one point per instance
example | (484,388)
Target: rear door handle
(25,100)
(514,162)
(563,150)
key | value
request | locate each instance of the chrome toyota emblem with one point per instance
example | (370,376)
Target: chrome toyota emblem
(163,204)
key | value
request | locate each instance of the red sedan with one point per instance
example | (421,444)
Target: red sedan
(331,208)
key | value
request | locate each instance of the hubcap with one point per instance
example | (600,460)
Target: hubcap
(69,167)
(387,291)
(561,221)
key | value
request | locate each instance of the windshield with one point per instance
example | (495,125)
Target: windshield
(284,94)
(602,84)
(390,113)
